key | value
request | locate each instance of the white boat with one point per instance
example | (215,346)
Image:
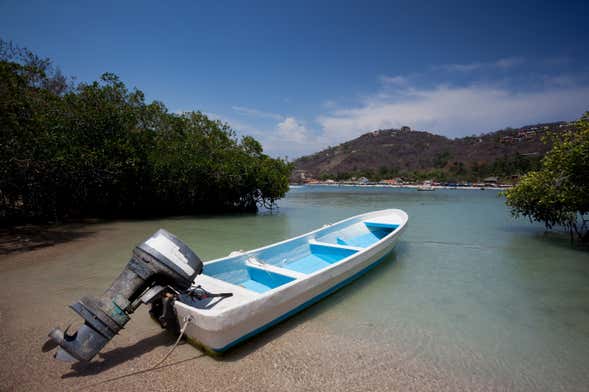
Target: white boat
(272,283)
(427,186)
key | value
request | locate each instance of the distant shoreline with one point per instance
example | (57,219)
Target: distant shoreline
(408,186)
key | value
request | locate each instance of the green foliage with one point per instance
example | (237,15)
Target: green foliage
(558,193)
(442,171)
(98,149)
(455,172)
(441,159)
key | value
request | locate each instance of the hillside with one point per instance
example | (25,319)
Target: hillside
(419,154)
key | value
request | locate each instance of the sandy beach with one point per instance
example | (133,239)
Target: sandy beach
(468,302)
(302,353)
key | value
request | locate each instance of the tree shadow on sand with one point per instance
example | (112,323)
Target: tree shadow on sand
(31,237)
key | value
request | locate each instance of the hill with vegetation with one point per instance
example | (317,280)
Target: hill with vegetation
(100,150)
(418,155)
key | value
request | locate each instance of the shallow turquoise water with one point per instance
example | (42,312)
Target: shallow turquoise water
(467,285)
(469,292)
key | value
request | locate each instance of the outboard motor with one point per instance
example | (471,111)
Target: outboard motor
(160,265)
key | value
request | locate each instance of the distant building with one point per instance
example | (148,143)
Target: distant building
(507,139)
(491,180)
(299,175)
(405,129)
(363,180)
(389,182)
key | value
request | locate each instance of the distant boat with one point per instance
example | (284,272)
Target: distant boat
(272,283)
(426,186)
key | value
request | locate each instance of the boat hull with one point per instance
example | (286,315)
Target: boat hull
(219,331)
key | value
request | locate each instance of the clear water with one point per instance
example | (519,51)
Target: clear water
(468,290)
(469,293)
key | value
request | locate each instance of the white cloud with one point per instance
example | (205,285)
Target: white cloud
(292,138)
(398,80)
(287,137)
(459,67)
(509,62)
(256,113)
(503,64)
(291,130)
(448,110)
(445,109)
(329,104)
(456,111)
(241,128)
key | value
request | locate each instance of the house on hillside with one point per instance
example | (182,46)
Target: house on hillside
(491,181)
(299,175)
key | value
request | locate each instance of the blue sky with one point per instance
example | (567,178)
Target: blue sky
(300,76)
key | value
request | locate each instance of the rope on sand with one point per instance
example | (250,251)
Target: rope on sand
(182,330)
(154,367)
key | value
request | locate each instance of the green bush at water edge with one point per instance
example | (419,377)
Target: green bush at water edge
(99,149)
(558,193)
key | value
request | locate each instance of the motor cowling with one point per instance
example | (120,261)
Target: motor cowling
(161,263)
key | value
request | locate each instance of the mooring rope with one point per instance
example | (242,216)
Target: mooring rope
(154,367)
(182,330)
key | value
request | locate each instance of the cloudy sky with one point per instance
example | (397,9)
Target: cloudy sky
(300,76)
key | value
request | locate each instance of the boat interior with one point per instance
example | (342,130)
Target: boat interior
(274,266)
